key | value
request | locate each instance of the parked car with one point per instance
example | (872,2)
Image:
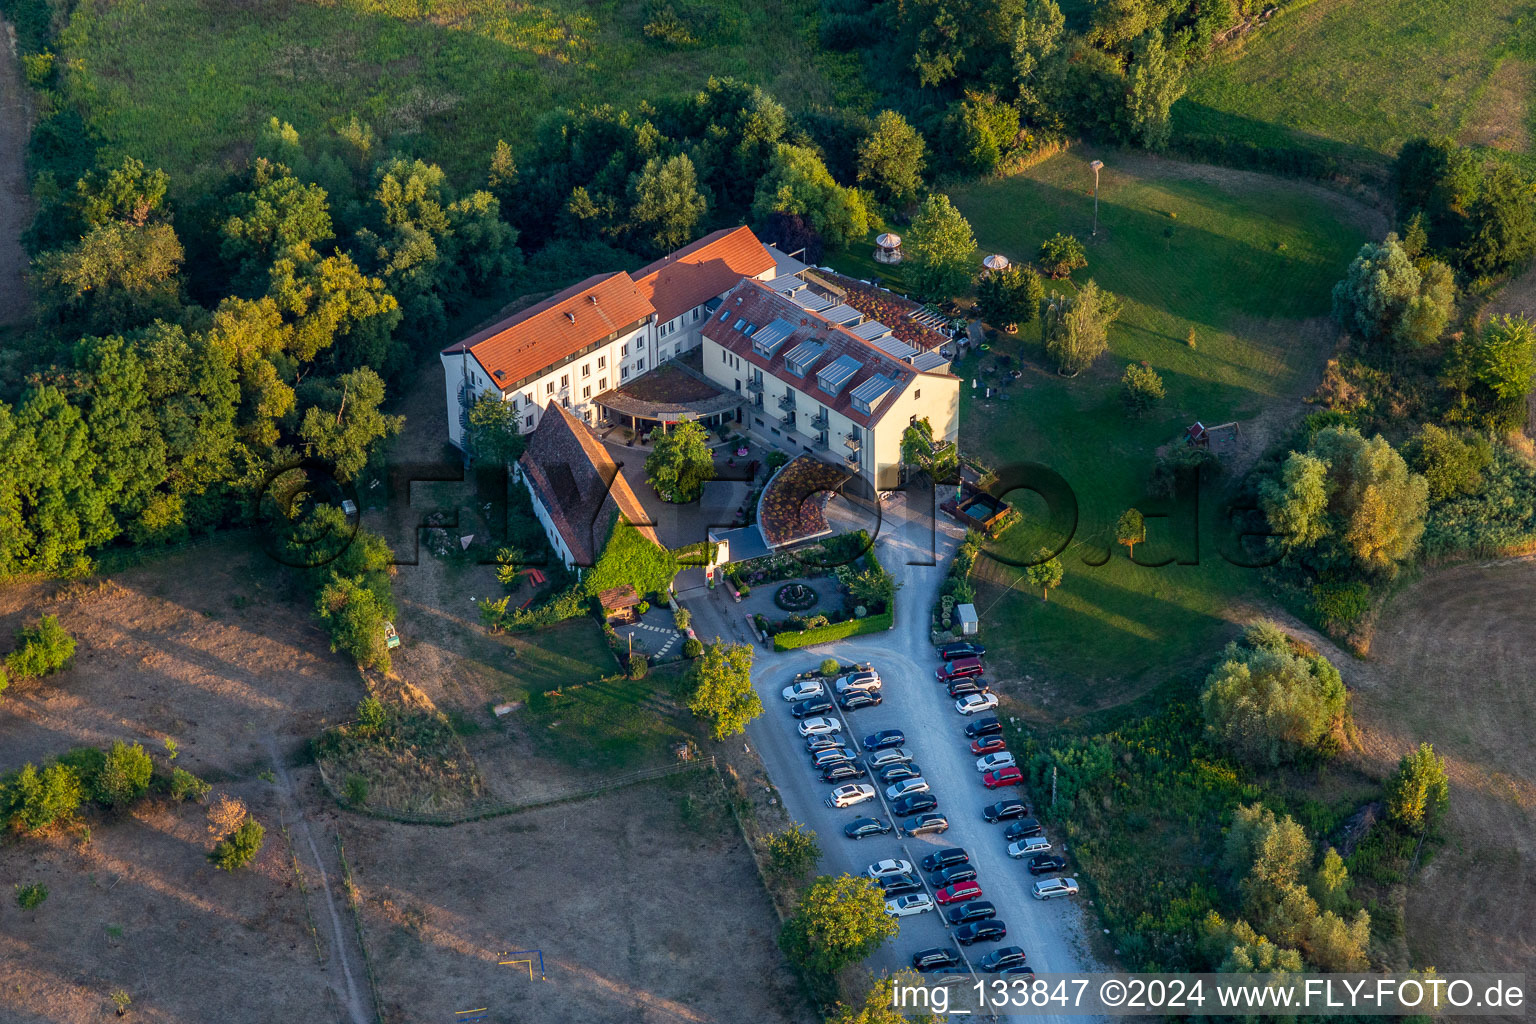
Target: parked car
(1003,777)
(988,744)
(849,795)
(860,828)
(935,957)
(869,680)
(994,760)
(1022,829)
(988,726)
(970,684)
(820,726)
(1046,864)
(884,738)
(886,758)
(897,790)
(925,825)
(830,756)
(1003,810)
(914,803)
(1024,973)
(882,868)
(976,910)
(1051,888)
(1002,958)
(805,689)
(897,772)
(959,669)
(855,699)
(1028,847)
(842,771)
(989,930)
(912,903)
(962,649)
(896,885)
(945,857)
(952,874)
(813,706)
(960,892)
(822,740)
(974,703)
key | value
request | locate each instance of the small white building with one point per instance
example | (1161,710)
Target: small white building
(966,620)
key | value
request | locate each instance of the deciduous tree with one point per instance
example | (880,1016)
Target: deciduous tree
(722,688)
(1418,793)
(839,921)
(1076,327)
(1268,705)
(665,203)
(793,851)
(1130,530)
(1386,297)
(797,182)
(1009,298)
(940,247)
(891,159)
(1044,572)
(680,462)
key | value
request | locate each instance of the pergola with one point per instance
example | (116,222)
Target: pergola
(888,248)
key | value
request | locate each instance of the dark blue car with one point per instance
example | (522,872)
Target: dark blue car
(884,738)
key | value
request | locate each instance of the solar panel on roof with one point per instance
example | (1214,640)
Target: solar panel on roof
(835,374)
(768,339)
(894,347)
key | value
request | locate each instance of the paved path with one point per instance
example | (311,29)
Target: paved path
(1052,933)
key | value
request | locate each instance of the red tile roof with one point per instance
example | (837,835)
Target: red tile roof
(563,324)
(759,305)
(697,273)
(578,484)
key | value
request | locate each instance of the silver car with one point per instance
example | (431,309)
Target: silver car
(888,757)
(906,787)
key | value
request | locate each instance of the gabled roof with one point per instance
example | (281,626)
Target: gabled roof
(696,273)
(542,335)
(579,486)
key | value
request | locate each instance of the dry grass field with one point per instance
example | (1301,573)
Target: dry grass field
(1453,664)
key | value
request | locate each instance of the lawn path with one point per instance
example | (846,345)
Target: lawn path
(15,204)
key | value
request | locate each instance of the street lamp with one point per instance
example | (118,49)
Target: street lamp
(1096,167)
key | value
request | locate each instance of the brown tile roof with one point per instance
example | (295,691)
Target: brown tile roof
(697,273)
(760,305)
(578,484)
(563,324)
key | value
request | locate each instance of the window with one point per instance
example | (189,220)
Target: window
(640,366)
(918,393)
(696,311)
(586,392)
(602,361)
(602,383)
(565,380)
(912,420)
(549,387)
(623,373)
(529,421)
(586,369)
(624,350)
(528,398)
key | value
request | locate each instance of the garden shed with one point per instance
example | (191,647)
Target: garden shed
(966,620)
(619,603)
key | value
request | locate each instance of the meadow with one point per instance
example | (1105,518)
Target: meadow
(1354,80)
(1246,262)
(187,84)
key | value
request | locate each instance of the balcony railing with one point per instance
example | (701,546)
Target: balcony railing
(852,443)
(787,400)
(819,421)
(852,460)
(754,385)
(788,420)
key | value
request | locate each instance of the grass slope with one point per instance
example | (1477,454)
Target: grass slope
(1246,260)
(1355,78)
(185,84)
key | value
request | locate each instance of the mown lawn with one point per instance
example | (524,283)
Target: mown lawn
(186,84)
(1247,261)
(614,723)
(1357,77)
(560,655)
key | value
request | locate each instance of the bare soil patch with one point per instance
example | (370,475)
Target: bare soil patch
(660,916)
(1500,119)
(1452,666)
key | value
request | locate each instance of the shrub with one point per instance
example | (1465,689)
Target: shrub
(240,847)
(642,607)
(775,459)
(1339,605)
(638,666)
(33,800)
(1452,465)
(226,816)
(693,647)
(186,786)
(1141,389)
(1060,255)
(829,666)
(370,715)
(355,789)
(41,650)
(1267,703)
(30,897)
(124,775)
(682,618)
(792,852)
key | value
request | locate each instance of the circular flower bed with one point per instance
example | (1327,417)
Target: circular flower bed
(795,597)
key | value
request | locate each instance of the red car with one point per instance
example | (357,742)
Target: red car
(958,893)
(987,745)
(1010,776)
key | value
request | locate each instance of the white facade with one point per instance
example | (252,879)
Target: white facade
(556,542)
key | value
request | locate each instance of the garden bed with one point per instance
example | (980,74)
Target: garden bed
(793,505)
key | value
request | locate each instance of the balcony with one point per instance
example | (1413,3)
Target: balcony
(788,420)
(754,385)
(820,441)
(852,443)
(787,400)
(852,461)
(819,422)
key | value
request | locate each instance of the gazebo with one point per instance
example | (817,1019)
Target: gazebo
(888,248)
(997,261)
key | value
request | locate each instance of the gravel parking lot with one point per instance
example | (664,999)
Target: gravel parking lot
(1052,932)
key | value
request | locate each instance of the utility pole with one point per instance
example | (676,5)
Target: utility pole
(1096,167)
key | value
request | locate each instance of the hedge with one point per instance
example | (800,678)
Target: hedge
(834,631)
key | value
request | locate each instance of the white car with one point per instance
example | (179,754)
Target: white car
(992,762)
(1050,888)
(868,681)
(805,689)
(975,703)
(905,787)
(820,726)
(884,868)
(911,903)
(851,794)
(887,757)
(1029,847)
